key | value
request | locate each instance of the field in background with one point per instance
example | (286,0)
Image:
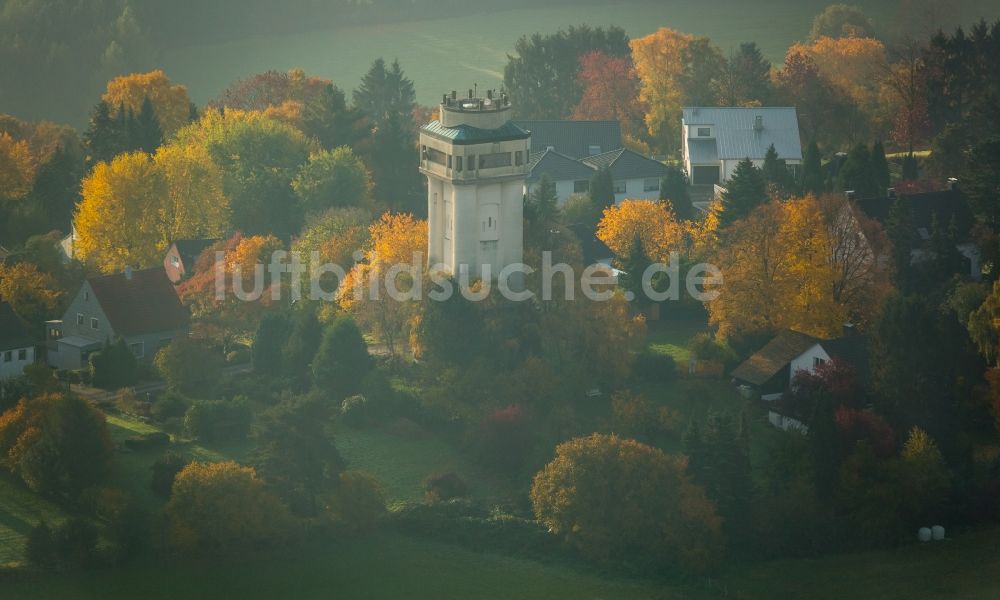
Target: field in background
(442,54)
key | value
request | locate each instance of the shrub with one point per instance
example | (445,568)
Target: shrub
(127,402)
(218,420)
(114,366)
(76,542)
(634,414)
(218,507)
(355,411)
(443,487)
(359,502)
(165,469)
(504,439)
(656,367)
(40,548)
(169,405)
(239,356)
(188,366)
(342,360)
(57,444)
(664,519)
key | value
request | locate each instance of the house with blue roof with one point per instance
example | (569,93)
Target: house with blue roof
(716,139)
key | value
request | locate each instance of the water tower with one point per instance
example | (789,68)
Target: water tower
(476,163)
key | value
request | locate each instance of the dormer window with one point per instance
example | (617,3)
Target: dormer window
(594,150)
(704,132)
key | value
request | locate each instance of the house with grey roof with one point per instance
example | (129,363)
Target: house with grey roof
(635,176)
(716,139)
(575,139)
(17,343)
(569,174)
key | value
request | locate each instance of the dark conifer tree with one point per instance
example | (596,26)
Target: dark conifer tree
(812,180)
(745,190)
(674,189)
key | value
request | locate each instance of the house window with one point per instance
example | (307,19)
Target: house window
(518,158)
(619,186)
(449,161)
(138,349)
(471,162)
(79,319)
(458,164)
(581,186)
(8,356)
(704,132)
(593,150)
(22,354)
(488,246)
(93,323)
(495,160)
(818,362)
(651,184)
(175,261)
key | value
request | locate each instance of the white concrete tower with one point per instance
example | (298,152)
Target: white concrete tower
(476,162)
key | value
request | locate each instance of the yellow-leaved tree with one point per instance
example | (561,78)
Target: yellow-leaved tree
(652,221)
(195,205)
(118,218)
(17,168)
(394,241)
(658,59)
(170,102)
(855,65)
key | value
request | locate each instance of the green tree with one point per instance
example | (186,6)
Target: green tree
(880,168)
(634,265)
(602,188)
(812,180)
(541,75)
(295,454)
(302,345)
(911,170)
(103,137)
(746,77)
(776,173)
(269,343)
(901,232)
(704,70)
(56,189)
(857,175)
(188,367)
(662,519)
(114,366)
(342,360)
(841,20)
(385,93)
(332,178)
(148,134)
(394,164)
(541,214)
(674,189)
(745,190)
(336,124)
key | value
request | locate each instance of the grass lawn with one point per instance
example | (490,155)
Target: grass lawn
(381,566)
(671,336)
(20,510)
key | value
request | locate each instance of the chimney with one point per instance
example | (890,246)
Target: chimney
(851,195)
(758,122)
(128,272)
(953,184)
(890,193)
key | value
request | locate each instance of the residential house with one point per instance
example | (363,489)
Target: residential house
(17,344)
(575,139)
(181,257)
(948,207)
(140,306)
(716,139)
(569,175)
(770,371)
(635,176)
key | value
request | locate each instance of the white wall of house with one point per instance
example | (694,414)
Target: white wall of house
(13,361)
(635,189)
(807,361)
(564,189)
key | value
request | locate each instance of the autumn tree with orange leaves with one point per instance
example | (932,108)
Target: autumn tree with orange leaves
(397,245)
(171,103)
(610,92)
(653,222)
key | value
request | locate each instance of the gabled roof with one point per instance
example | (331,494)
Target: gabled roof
(573,138)
(626,164)
(773,357)
(462,135)
(557,166)
(189,250)
(14,332)
(945,204)
(144,303)
(735,135)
